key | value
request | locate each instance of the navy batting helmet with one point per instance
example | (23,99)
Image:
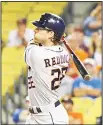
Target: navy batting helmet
(52,22)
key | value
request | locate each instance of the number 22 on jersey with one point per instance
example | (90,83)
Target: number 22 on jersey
(55,83)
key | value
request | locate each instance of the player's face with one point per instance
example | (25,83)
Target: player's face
(42,35)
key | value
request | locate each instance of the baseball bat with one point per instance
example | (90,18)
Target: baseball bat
(79,65)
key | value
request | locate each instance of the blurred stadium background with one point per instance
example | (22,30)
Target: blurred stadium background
(14,69)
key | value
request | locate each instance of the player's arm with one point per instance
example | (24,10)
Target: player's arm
(33,52)
(30,54)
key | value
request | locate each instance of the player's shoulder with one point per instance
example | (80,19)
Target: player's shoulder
(30,49)
(32,46)
(32,43)
(57,48)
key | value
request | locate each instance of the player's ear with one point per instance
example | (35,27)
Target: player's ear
(51,34)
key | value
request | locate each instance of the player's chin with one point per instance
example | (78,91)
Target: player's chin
(37,40)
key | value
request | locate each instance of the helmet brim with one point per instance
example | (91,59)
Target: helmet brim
(37,24)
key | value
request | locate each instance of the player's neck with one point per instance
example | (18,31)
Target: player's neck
(48,43)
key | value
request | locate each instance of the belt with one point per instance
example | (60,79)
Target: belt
(38,110)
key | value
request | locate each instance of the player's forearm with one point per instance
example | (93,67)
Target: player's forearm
(94,92)
(80,92)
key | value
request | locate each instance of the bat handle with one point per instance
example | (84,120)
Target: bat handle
(87,77)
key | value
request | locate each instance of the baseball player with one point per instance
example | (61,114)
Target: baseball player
(47,65)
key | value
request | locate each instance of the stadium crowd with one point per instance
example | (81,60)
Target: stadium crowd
(86,41)
(81,96)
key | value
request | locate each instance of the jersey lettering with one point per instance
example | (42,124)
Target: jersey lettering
(53,61)
(47,62)
(56,60)
(30,82)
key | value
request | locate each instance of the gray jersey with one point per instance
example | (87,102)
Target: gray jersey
(46,68)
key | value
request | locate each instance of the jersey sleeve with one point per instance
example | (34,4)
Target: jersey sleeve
(30,54)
